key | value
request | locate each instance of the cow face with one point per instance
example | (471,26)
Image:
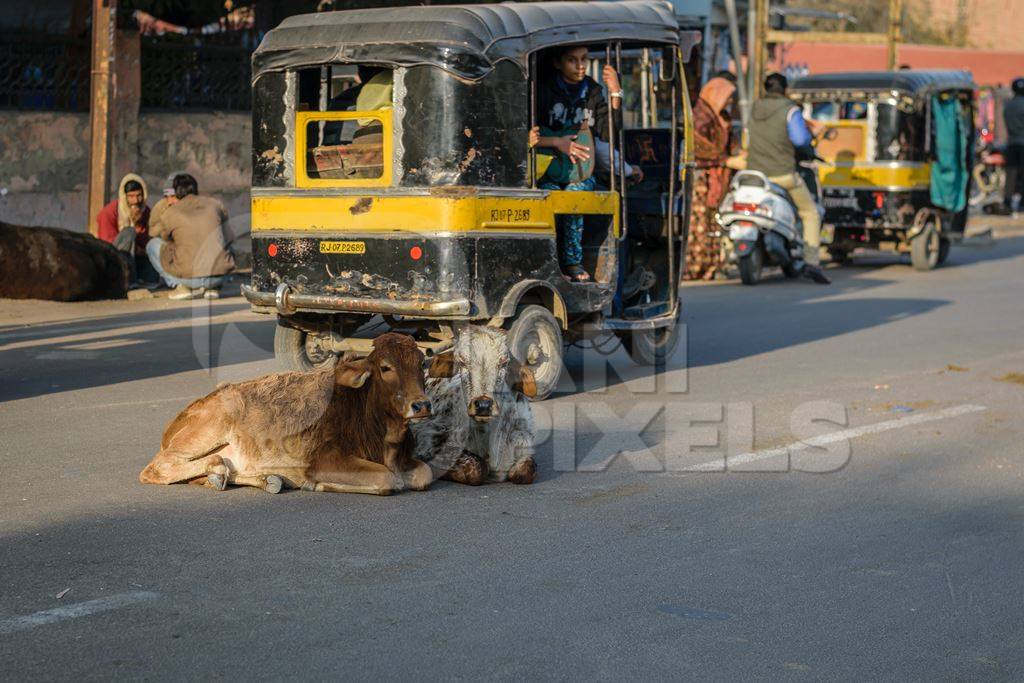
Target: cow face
(482,353)
(394,368)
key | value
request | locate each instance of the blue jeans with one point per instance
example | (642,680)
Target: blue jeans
(153,251)
(570,228)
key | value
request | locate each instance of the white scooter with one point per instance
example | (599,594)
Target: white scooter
(763,225)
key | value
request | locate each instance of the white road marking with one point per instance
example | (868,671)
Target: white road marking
(140,402)
(833,437)
(81,609)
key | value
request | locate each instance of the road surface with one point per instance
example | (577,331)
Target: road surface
(893,550)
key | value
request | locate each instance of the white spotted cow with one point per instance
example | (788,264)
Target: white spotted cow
(481,428)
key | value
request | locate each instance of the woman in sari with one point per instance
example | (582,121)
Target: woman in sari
(712,142)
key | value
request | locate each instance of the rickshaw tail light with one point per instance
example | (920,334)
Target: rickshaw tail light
(416,253)
(879,199)
(271,250)
(749,207)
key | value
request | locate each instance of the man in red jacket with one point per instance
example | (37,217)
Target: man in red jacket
(124,222)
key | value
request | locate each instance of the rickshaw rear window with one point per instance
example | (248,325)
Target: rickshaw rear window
(345,147)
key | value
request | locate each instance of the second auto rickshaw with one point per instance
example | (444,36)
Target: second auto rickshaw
(898,151)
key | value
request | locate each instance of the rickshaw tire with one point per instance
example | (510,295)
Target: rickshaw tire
(839,256)
(644,351)
(290,350)
(924,251)
(534,317)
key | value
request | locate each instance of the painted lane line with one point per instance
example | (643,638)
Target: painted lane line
(722,464)
(81,609)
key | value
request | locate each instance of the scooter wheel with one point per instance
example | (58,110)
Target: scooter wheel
(751,266)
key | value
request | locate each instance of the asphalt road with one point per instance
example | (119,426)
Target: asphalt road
(893,552)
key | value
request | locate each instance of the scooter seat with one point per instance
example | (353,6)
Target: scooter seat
(781,191)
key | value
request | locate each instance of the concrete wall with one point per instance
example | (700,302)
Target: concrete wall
(44,162)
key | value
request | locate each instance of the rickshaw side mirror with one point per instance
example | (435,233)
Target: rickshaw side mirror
(667,72)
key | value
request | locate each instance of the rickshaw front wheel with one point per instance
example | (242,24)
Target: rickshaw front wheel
(535,339)
(652,347)
(925,248)
(299,351)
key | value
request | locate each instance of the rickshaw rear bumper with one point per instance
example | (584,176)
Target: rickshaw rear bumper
(286,301)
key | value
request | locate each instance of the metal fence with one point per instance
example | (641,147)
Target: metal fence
(207,72)
(44,72)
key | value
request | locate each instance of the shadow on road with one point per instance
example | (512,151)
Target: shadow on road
(97,352)
(724,322)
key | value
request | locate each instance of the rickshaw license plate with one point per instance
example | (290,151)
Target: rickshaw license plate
(343,247)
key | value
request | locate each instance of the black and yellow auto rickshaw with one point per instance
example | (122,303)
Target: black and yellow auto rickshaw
(898,150)
(414,196)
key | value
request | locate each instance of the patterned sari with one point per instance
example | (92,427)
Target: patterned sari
(712,139)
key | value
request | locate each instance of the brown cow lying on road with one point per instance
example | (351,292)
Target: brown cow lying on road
(342,429)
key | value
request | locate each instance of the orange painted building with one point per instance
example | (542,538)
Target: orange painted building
(989,67)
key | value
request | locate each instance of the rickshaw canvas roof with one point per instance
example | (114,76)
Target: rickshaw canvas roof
(466,40)
(912,82)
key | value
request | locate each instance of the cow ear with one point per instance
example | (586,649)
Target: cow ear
(352,373)
(522,379)
(442,365)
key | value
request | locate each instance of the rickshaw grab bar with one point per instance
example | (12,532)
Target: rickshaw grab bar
(287,301)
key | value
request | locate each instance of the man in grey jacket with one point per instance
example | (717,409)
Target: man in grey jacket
(777,130)
(1013,116)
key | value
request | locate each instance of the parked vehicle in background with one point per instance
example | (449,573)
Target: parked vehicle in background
(897,174)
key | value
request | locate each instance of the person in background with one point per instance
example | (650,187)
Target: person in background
(712,142)
(124,223)
(187,246)
(777,132)
(1013,116)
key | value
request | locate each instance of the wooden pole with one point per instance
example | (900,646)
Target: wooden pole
(894,37)
(103,26)
(760,57)
(737,52)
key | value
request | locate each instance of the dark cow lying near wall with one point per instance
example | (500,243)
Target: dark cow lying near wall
(342,429)
(60,265)
(482,426)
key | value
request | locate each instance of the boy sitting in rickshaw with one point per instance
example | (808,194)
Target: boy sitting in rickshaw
(568,103)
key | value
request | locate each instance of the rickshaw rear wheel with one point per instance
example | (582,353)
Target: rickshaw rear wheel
(535,339)
(925,248)
(839,256)
(652,347)
(299,351)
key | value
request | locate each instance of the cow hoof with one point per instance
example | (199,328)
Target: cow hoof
(523,472)
(273,484)
(469,470)
(217,481)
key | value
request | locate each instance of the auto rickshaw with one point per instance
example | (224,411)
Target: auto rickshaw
(898,149)
(412,204)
